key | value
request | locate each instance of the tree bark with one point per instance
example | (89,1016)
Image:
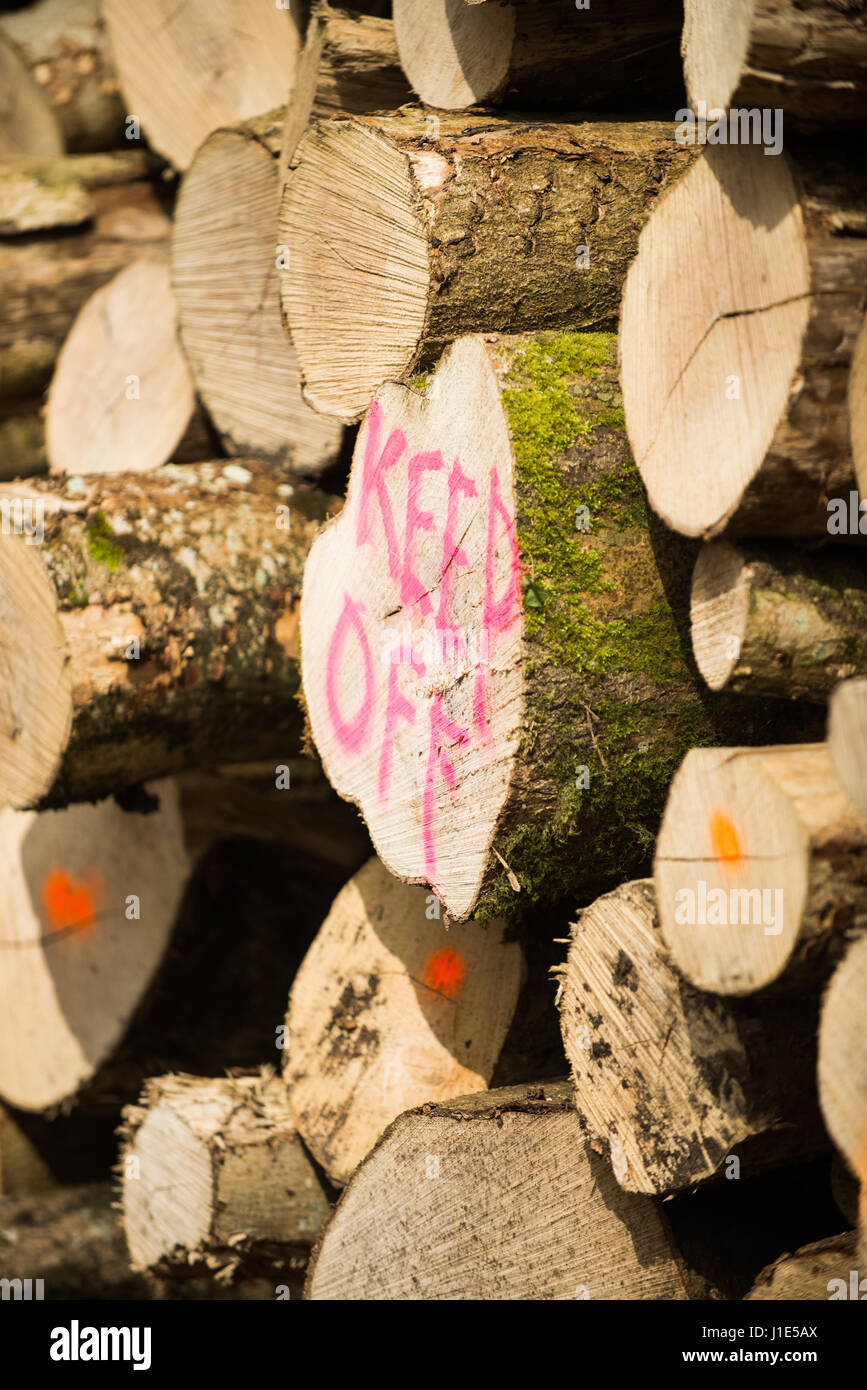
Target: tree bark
(214,1179)
(809,57)
(744,422)
(28,126)
(166,607)
(124,957)
(22,439)
(66,48)
(458,224)
(772,621)
(66,227)
(72,1240)
(122,397)
(847,739)
(389,1011)
(495,632)
(542,56)
(495,1196)
(810,1275)
(187,72)
(350,64)
(673,1082)
(224,273)
(761,867)
(843,1064)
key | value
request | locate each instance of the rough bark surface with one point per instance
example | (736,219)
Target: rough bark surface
(775,621)
(809,1274)
(176,595)
(487,218)
(808,57)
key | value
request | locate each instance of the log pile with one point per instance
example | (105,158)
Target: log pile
(433,682)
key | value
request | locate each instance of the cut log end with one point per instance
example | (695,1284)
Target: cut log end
(741,876)
(807,58)
(122,395)
(35,682)
(354,235)
(389,1011)
(185,71)
(842,1069)
(730,425)
(847,738)
(224,270)
(454,55)
(716,40)
(495,1196)
(214,1175)
(645,1048)
(778,620)
(719,610)
(77,955)
(466,728)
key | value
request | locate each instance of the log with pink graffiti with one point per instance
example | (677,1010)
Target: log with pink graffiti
(411,634)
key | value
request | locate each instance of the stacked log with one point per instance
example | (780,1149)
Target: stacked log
(842,1070)
(214,1178)
(541,55)
(122,395)
(386,1013)
(65,47)
(167,607)
(517,637)
(103,940)
(224,273)
(584,601)
(185,72)
(771,621)
(810,59)
(497,225)
(447,1207)
(745,422)
(761,867)
(847,739)
(66,227)
(670,1080)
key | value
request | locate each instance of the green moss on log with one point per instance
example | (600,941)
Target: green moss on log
(614,699)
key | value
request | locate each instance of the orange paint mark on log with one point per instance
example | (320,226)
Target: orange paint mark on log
(725,839)
(861,1174)
(445,972)
(69,903)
